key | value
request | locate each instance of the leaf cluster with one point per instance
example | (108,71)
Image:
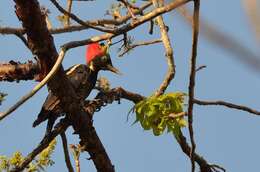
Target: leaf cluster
(42,161)
(153,113)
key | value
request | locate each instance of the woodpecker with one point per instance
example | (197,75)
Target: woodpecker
(83,79)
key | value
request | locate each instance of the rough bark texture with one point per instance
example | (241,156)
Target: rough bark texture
(41,44)
(15,71)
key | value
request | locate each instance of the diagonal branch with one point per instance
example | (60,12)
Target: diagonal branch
(66,152)
(192,78)
(168,53)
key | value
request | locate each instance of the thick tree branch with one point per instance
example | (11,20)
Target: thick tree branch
(16,71)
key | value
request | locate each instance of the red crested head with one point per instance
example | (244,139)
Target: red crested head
(93,50)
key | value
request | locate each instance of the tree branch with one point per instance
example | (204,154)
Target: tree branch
(168,53)
(141,43)
(192,78)
(66,152)
(227,104)
(16,71)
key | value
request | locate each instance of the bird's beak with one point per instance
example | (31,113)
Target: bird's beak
(113,69)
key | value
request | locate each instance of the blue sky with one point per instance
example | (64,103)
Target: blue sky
(223,136)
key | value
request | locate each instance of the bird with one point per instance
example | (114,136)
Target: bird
(83,79)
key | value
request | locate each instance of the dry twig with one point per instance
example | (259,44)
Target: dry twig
(66,152)
(192,78)
(168,53)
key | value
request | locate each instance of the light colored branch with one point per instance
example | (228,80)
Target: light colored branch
(168,53)
(37,87)
(195,35)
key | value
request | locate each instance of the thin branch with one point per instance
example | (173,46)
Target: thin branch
(59,128)
(69,7)
(168,53)
(192,79)
(129,7)
(142,43)
(78,20)
(204,165)
(178,115)
(36,88)
(23,39)
(227,104)
(66,152)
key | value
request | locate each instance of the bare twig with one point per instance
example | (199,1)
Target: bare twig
(192,78)
(142,43)
(200,68)
(78,20)
(129,7)
(168,53)
(227,104)
(66,152)
(23,39)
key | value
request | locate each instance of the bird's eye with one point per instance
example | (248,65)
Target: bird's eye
(104,58)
